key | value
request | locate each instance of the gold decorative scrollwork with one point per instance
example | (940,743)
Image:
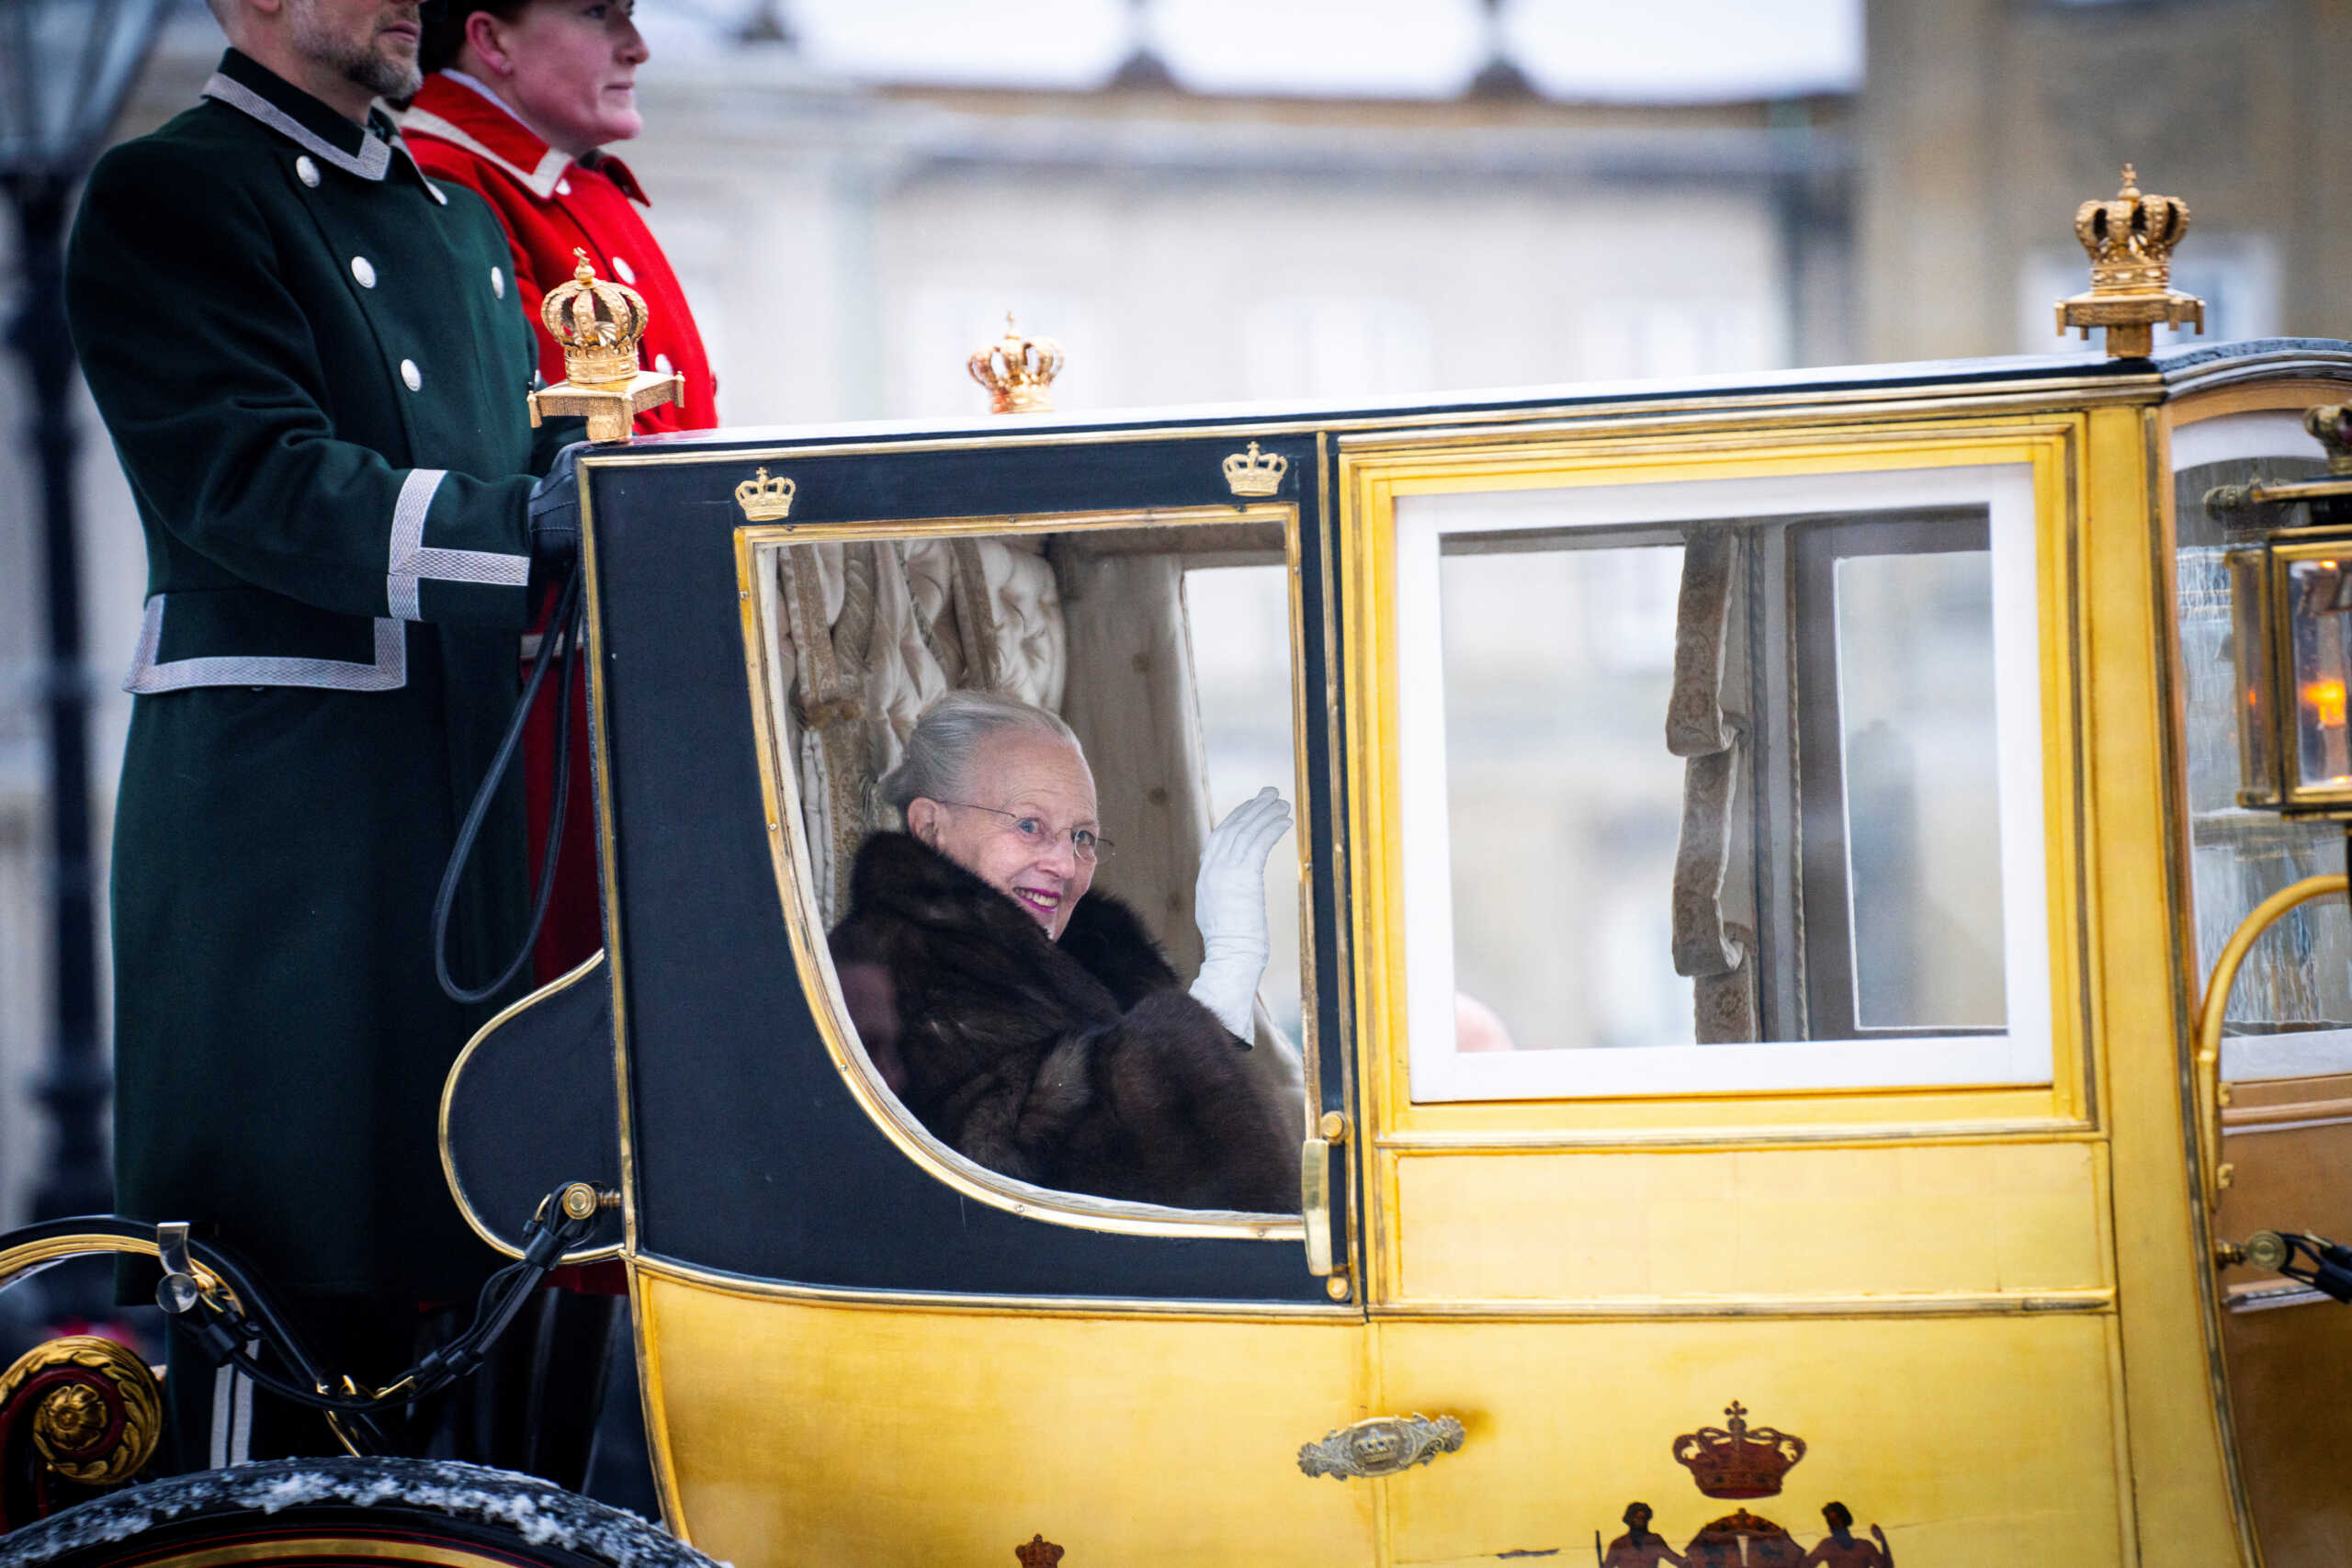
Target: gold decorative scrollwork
(97,1410)
(1385,1444)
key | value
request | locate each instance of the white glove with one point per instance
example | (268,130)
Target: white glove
(1229,906)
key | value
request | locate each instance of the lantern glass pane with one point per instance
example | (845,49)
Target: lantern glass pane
(2319,609)
(2250,656)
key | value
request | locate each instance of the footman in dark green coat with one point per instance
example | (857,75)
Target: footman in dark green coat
(314,372)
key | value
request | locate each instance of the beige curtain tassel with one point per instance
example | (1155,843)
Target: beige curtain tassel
(825,703)
(975,627)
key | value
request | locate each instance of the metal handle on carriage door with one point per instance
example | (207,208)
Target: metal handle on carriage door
(1315,1195)
(2213,1094)
(1385,1444)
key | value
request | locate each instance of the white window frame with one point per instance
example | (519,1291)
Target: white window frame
(2021,1055)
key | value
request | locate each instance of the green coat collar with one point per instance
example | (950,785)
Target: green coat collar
(243,84)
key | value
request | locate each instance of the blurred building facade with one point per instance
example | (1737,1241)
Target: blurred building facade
(1983,123)
(847,244)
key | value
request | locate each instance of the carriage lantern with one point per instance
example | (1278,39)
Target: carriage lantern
(2291,593)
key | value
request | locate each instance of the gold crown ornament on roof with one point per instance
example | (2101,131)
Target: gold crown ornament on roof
(599,326)
(2130,240)
(1018,371)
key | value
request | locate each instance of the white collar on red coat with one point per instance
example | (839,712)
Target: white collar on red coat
(477,122)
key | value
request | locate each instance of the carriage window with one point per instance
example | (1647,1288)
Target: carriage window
(1735,798)
(1011,941)
(2291,1011)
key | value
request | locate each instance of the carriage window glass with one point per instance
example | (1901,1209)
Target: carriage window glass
(1922,825)
(1564,805)
(1722,785)
(2290,1012)
(1007,944)
(1239,620)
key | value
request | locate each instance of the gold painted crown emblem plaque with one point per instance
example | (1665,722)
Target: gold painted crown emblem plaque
(2130,241)
(1247,473)
(599,325)
(765,500)
(1018,371)
(1735,1460)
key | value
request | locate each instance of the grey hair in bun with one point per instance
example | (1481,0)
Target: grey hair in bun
(938,761)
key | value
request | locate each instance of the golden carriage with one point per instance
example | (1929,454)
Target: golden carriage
(1763,845)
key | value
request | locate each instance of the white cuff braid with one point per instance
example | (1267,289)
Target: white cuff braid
(1230,907)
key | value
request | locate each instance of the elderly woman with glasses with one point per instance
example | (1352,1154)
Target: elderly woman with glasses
(1032,1024)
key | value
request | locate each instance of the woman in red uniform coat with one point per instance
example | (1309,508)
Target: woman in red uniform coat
(524,96)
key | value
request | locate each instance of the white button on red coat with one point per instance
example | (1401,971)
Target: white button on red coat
(622,270)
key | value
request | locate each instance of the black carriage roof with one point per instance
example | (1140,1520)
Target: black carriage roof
(2167,373)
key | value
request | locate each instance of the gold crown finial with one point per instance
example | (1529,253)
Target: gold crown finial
(599,325)
(1018,371)
(765,500)
(1247,473)
(2130,241)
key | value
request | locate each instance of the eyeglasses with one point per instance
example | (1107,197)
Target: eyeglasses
(1085,842)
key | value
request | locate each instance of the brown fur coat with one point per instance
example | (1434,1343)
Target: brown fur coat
(1082,1065)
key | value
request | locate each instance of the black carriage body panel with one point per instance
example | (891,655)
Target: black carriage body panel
(751,1156)
(547,1068)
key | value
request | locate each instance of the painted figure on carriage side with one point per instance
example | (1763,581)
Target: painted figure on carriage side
(1639,1547)
(1838,1549)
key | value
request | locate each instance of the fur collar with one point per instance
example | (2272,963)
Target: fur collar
(901,877)
(1078,1064)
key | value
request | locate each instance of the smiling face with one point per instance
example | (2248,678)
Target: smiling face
(1033,776)
(567,67)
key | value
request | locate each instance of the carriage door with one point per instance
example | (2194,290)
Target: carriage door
(889,1310)
(1726,1099)
(2285,1132)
